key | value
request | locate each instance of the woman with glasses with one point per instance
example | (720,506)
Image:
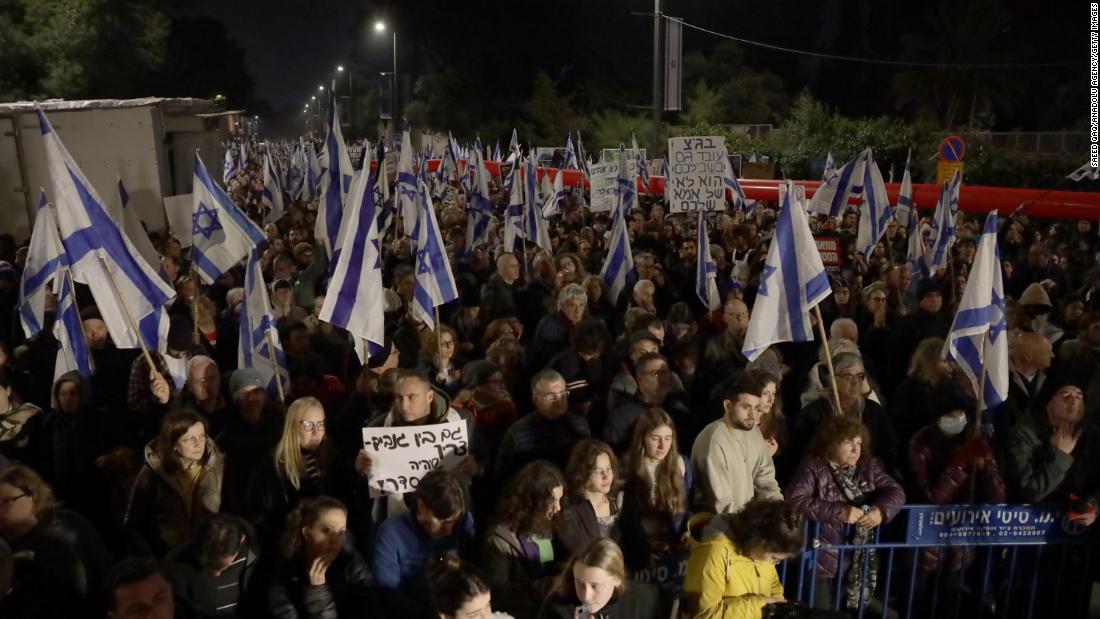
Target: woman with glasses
(853,389)
(437,358)
(594,496)
(61,541)
(180,483)
(302,465)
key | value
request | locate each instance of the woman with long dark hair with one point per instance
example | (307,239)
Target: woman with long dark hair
(594,496)
(180,483)
(318,574)
(518,555)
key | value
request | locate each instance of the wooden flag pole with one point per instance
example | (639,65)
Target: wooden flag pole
(828,358)
(195,305)
(126,311)
(438,337)
(275,365)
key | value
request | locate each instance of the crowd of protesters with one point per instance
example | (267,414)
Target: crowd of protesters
(606,434)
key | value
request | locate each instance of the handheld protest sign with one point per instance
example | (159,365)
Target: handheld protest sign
(401,456)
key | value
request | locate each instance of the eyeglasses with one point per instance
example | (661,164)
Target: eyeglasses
(447,343)
(554,396)
(853,378)
(312,426)
(191,441)
(8,501)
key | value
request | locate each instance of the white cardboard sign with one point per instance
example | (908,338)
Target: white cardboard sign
(696,174)
(401,456)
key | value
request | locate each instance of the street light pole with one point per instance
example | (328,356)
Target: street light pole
(396,114)
(656,74)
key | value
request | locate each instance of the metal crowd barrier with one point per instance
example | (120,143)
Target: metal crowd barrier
(1016,561)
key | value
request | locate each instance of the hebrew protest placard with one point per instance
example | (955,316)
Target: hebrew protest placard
(401,456)
(696,174)
(603,184)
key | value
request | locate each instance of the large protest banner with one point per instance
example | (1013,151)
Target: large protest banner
(696,174)
(401,456)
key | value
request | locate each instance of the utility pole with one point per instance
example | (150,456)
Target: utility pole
(655,146)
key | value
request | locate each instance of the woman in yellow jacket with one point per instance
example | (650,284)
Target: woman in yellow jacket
(731,572)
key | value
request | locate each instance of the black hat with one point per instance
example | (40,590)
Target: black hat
(478,373)
(927,287)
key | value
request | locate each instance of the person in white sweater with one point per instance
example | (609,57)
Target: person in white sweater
(730,457)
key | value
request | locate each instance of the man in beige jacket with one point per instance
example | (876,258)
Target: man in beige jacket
(731,459)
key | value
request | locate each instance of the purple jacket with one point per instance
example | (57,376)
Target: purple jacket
(815,491)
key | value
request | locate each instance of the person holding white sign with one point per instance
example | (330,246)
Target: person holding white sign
(416,403)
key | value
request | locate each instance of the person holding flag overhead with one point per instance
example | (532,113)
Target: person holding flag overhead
(435,285)
(334,177)
(222,234)
(618,267)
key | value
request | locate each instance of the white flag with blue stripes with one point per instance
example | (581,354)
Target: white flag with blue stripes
(706,270)
(513,147)
(229,168)
(406,183)
(904,209)
(273,193)
(627,183)
(792,283)
(639,160)
(831,198)
(978,334)
(44,257)
(570,160)
(354,300)
(737,195)
(874,212)
(618,266)
(335,182)
(513,214)
(259,340)
(535,227)
(435,284)
(242,163)
(943,223)
(95,244)
(221,234)
(72,355)
(132,228)
(479,204)
(555,196)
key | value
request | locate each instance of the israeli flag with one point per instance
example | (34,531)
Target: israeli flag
(72,355)
(44,257)
(313,175)
(978,334)
(916,255)
(222,235)
(534,226)
(639,160)
(831,197)
(296,173)
(229,168)
(570,162)
(273,195)
(628,184)
(435,284)
(513,216)
(335,179)
(448,167)
(737,195)
(874,212)
(135,232)
(904,209)
(406,183)
(706,270)
(618,266)
(243,152)
(555,196)
(98,250)
(943,223)
(496,152)
(259,339)
(513,147)
(582,160)
(664,175)
(793,282)
(383,205)
(479,205)
(354,299)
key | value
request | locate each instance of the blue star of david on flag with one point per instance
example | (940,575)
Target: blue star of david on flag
(763,290)
(212,226)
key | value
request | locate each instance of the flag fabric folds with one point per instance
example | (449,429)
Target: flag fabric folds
(943,223)
(874,211)
(259,343)
(229,168)
(552,206)
(978,335)
(335,181)
(535,228)
(354,299)
(95,244)
(706,270)
(737,194)
(570,160)
(406,183)
(44,257)
(222,235)
(73,352)
(618,266)
(832,196)
(273,194)
(132,228)
(628,184)
(904,209)
(435,284)
(513,215)
(792,283)
(479,205)
(639,159)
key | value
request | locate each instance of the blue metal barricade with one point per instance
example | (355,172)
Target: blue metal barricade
(974,561)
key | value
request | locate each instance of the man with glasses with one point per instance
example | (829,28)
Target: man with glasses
(654,391)
(732,463)
(203,392)
(548,433)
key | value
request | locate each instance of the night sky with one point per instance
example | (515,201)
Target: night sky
(293,46)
